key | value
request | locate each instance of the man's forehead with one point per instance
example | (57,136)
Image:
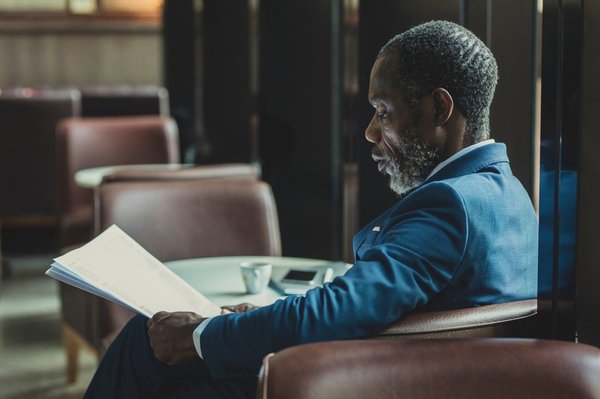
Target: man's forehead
(382,76)
(384,67)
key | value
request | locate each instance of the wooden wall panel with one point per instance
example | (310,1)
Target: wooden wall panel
(55,53)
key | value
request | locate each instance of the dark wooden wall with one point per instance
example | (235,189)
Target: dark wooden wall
(295,121)
(588,250)
(306,134)
(380,21)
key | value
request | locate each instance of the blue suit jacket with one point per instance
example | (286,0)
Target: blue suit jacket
(466,237)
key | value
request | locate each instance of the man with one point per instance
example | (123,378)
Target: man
(463,234)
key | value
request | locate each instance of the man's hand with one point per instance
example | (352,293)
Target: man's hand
(171,336)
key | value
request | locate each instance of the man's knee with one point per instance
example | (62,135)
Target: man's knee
(137,322)
(134,331)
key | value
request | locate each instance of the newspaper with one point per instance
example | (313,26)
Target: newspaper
(114,266)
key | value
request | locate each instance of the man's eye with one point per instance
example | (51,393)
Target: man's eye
(381,114)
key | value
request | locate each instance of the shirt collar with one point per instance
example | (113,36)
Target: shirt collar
(459,154)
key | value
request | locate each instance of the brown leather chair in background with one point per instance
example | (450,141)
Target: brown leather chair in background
(172,219)
(179,219)
(93,142)
(431,369)
(28,120)
(27,142)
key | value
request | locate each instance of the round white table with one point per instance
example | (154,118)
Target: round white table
(92,177)
(219,278)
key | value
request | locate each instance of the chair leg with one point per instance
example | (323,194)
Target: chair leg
(73,344)
(72,347)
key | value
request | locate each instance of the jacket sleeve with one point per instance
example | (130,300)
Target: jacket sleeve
(411,258)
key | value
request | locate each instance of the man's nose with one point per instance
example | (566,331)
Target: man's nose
(372,132)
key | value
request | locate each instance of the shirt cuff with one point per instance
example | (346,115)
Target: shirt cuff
(196,335)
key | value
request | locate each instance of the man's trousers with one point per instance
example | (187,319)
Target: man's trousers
(130,370)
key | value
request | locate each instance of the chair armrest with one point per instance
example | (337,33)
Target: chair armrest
(479,321)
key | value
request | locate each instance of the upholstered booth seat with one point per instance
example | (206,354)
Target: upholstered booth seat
(431,369)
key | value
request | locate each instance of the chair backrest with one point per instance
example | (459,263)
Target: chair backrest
(432,369)
(27,148)
(124,100)
(177,219)
(509,319)
(214,171)
(93,142)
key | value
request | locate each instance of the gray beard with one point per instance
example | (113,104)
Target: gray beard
(412,163)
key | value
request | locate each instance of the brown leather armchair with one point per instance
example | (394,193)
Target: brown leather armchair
(431,369)
(93,142)
(172,219)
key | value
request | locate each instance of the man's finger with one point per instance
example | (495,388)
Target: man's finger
(156,318)
(159,315)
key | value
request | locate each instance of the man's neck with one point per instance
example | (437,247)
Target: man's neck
(459,154)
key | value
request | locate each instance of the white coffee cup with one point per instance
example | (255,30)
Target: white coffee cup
(256,276)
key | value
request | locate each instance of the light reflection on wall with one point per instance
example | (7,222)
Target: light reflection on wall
(142,6)
(82,6)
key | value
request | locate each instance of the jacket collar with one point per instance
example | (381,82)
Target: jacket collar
(472,162)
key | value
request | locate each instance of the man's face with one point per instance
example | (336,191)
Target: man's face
(401,148)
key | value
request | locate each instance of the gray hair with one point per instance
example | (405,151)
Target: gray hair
(444,54)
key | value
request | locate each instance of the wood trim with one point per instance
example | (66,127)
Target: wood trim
(73,343)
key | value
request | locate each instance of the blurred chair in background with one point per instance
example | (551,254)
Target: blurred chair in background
(93,142)
(194,217)
(173,219)
(27,155)
(431,369)
(215,171)
(124,101)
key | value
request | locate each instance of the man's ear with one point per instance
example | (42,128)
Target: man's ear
(443,105)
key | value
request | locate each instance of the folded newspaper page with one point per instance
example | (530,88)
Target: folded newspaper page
(114,266)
